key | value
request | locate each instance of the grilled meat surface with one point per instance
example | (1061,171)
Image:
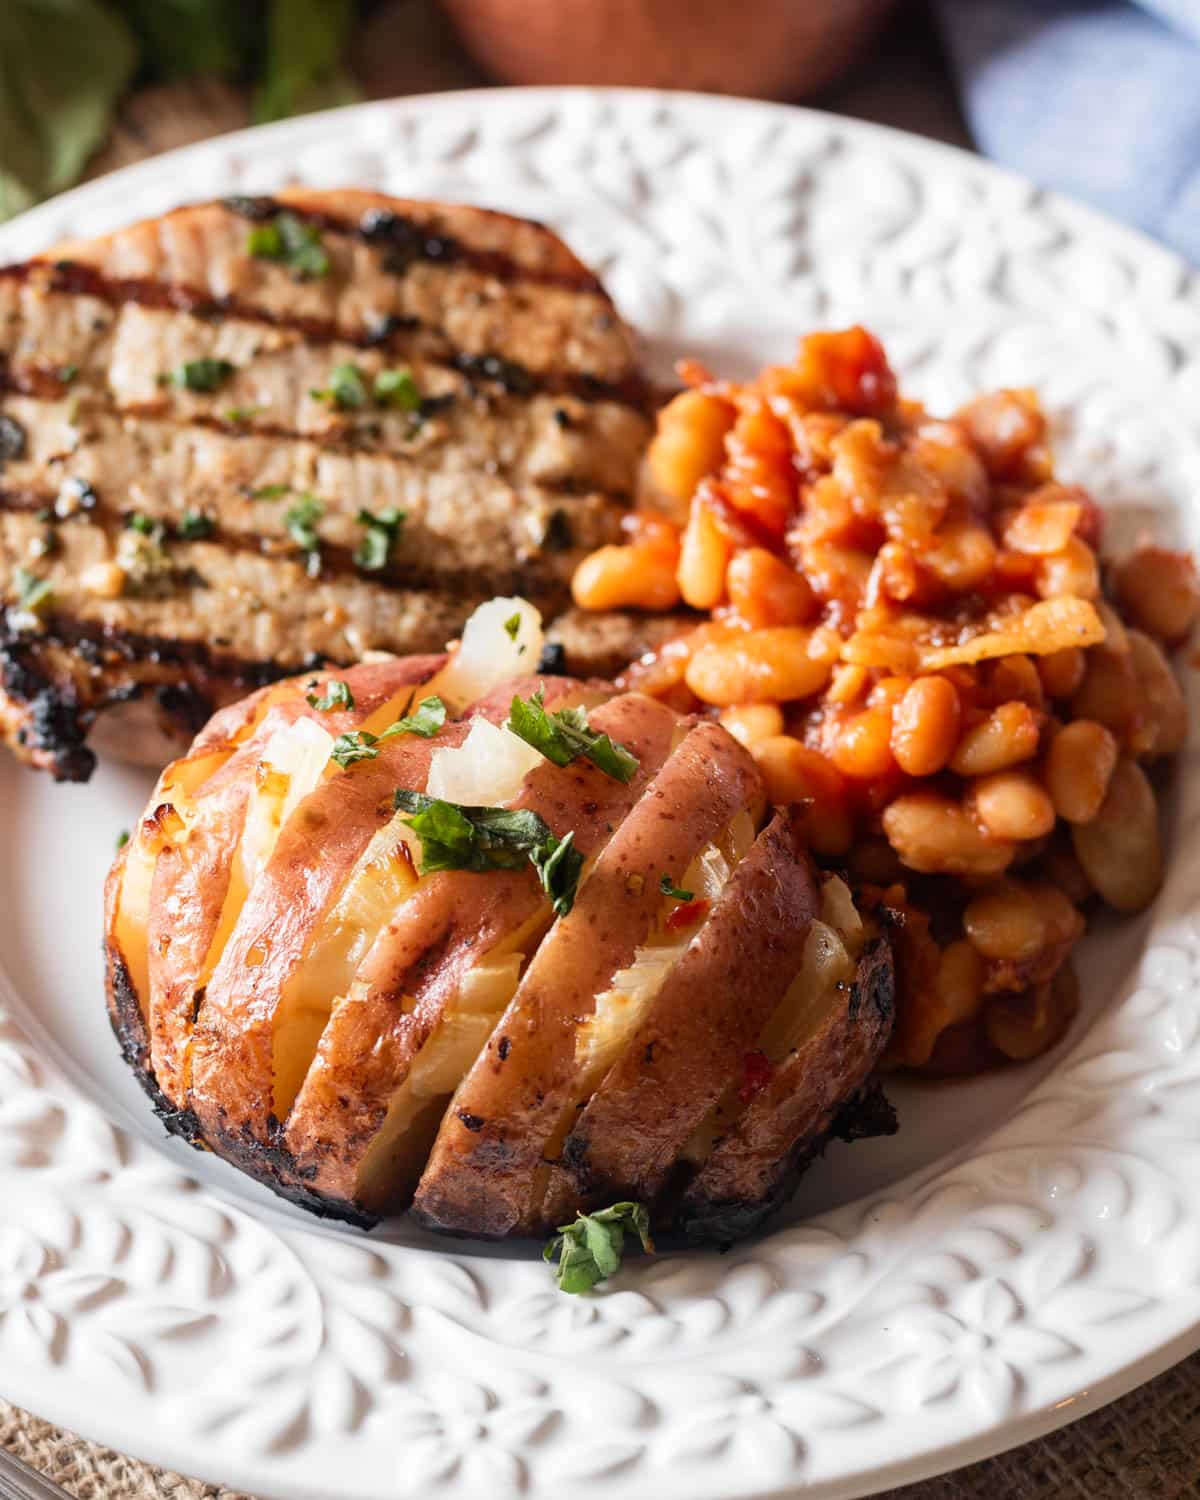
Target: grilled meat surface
(261,434)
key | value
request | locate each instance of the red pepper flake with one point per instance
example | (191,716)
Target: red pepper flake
(686,914)
(757,1072)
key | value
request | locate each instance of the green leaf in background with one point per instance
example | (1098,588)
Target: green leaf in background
(187,38)
(306,40)
(63,66)
(66,64)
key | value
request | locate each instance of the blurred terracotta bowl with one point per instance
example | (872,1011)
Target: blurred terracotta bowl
(766,49)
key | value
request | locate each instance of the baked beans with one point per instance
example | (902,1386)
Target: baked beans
(1006,737)
(1079,765)
(909,628)
(1160,591)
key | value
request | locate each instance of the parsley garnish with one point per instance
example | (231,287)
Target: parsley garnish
(289,239)
(122,839)
(361,744)
(512,625)
(558,864)
(271,492)
(564,736)
(34,594)
(347,390)
(455,837)
(145,525)
(67,373)
(301,522)
(202,375)
(382,533)
(668,888)
(337,695)
(194,526)
(397,388)
(589,1250)
(241,414)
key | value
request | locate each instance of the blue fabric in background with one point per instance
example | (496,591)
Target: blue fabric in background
(1099,98)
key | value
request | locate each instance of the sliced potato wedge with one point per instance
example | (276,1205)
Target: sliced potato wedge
(840,1032)
(690,1044)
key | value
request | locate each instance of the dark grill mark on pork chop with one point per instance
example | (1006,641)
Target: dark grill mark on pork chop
(406,338)
(184,539)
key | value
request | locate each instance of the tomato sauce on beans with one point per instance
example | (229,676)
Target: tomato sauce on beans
(910,627)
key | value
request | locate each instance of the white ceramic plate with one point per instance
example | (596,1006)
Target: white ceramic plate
(1026,1248)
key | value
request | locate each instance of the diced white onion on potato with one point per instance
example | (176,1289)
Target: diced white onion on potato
(292,763)
(712,871)
(487,770)
(488,654)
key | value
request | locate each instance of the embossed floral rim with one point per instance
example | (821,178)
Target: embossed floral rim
(1013,1285)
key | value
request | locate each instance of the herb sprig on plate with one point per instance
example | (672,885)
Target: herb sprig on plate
(590,1249)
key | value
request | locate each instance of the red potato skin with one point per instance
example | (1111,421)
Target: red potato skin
(809,1098)
(691,1046)
(188,893)
(484,1173)
(124,1006)
(452,921)
(190,880)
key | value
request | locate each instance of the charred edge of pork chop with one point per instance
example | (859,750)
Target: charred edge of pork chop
(53,685)
(425,231)
(604,644)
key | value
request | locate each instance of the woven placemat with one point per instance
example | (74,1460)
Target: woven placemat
(1145,1445)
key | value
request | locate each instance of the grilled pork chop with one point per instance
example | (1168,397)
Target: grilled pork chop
(260,434)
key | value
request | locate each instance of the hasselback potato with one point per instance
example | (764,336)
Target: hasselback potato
(497,946)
